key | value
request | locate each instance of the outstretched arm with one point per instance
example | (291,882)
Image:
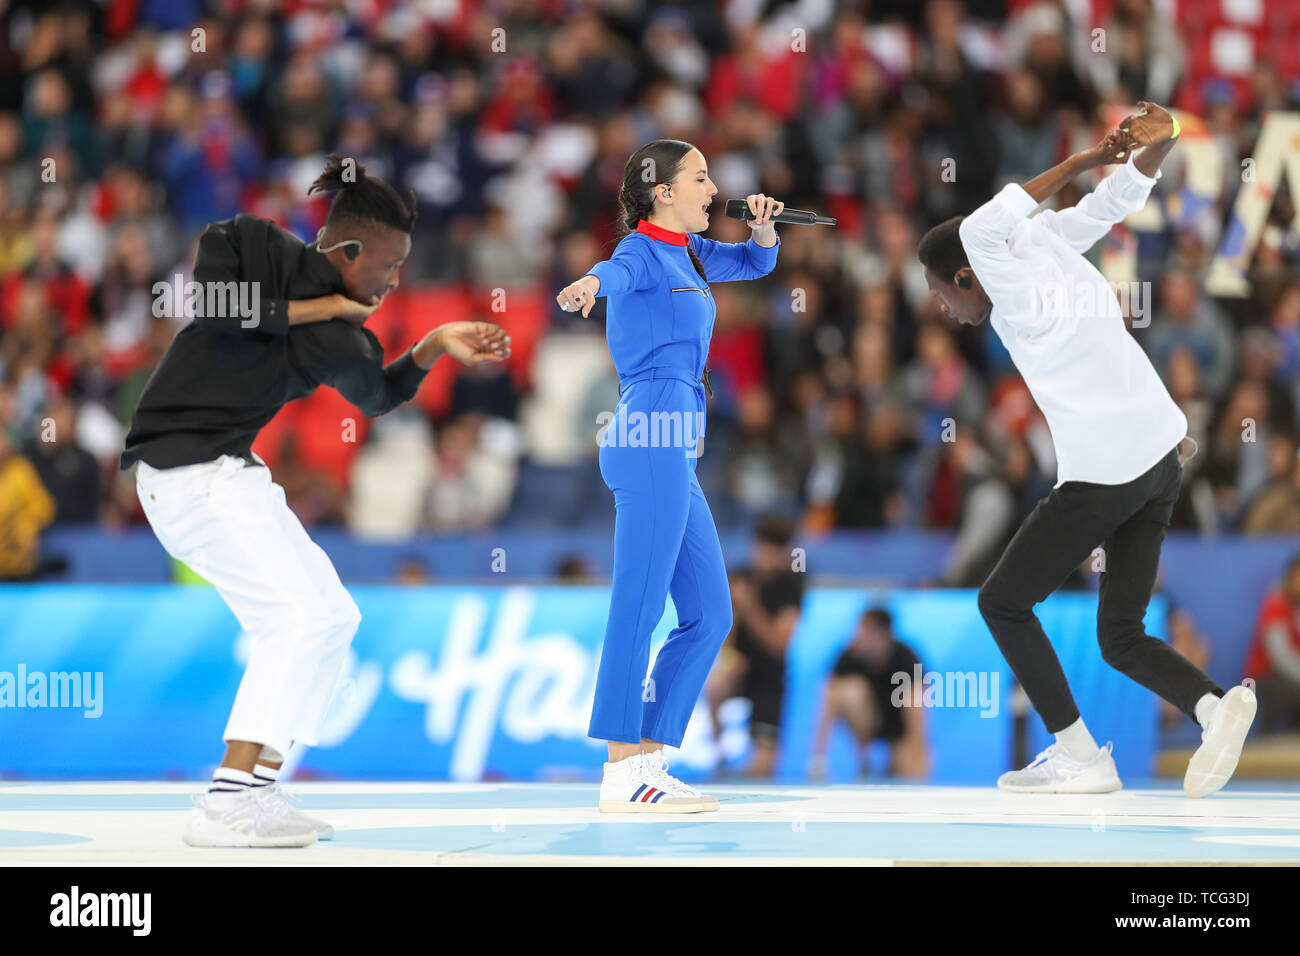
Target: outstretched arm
(354,364)
(1013,281)
(470,343)
(625,271)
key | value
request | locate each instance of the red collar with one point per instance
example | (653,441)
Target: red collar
(658,232)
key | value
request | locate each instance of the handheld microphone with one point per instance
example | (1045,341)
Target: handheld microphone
(739,209)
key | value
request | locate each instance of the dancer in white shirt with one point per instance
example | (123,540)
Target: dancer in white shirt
(1117,434)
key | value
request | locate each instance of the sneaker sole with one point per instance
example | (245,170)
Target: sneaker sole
(243,842)
(1216,759)
(1109,787)
(620,806)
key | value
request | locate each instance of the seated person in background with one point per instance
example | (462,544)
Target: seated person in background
(26,508)
(1274,661)
(766,601)
(861,694)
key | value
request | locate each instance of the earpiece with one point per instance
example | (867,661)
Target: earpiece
(963,282)
(351,247)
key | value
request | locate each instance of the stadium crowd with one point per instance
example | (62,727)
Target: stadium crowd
(844,400)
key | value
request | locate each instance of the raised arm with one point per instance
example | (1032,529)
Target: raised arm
(733,261)
(1018,284)
(1119,195)
(1126,190)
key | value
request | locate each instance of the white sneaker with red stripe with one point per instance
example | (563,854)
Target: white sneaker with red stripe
(641,784)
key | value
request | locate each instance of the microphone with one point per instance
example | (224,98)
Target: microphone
(739,209)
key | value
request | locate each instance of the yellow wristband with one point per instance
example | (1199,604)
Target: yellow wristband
(1177,129)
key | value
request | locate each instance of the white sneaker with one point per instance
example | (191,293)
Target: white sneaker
(1052,771)
(641,784)
(240,819)
(1216,758)
(279,803)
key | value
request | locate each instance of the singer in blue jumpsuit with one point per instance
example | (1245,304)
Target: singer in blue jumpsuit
(659,321)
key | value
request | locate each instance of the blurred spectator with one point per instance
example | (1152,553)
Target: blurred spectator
(864,692)
(758,463)
(1237,452)
(412,571)
(1187,320)
(391,476)
(573,569)
(1274,661)
(69,473)
(26,508)
(989,514)
(854,475)
(1029,133)
(1147,58)
(472,480)
(767,600)
(1276,509)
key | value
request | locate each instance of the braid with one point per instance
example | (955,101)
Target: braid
(695,261)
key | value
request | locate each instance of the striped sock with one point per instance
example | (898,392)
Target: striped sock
(264,776)
(230,780)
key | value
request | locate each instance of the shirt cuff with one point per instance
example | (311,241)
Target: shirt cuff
(767,254)
(1018,202)
(273,317)
(405,375)
(602,271)
(1131,172)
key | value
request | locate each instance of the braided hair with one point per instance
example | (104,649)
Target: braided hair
(360,199)
(654,163)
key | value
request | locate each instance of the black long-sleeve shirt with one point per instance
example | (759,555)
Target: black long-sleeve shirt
(219,383)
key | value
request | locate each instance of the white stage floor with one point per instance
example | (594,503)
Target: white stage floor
(422,824)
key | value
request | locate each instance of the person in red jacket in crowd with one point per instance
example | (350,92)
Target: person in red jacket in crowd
(1274,661)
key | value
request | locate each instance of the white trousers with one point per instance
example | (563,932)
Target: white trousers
(229,522)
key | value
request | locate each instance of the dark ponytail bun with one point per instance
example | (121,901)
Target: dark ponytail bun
(360,198)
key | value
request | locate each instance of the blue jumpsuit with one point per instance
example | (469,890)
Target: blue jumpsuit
(658,325)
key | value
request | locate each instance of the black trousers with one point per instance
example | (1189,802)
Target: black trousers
(1129,522)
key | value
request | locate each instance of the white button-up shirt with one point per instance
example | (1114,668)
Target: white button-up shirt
(1110,416)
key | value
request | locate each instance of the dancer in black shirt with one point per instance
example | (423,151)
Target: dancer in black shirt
(274,319)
